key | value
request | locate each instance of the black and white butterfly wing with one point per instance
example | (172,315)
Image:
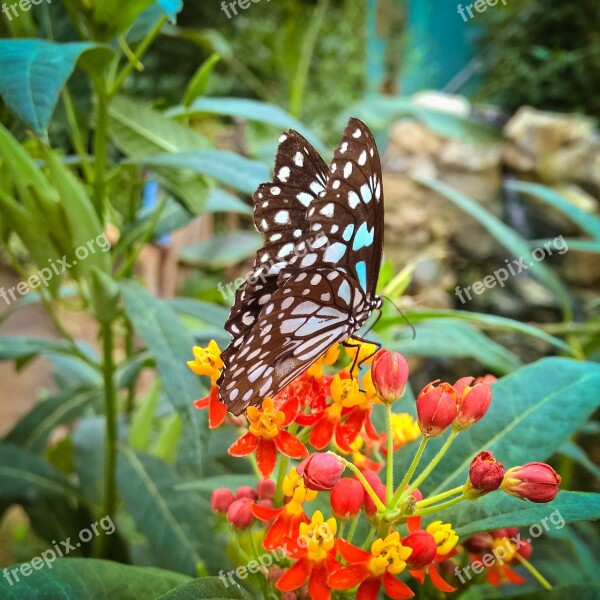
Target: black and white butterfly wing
(280,214)
(325,289)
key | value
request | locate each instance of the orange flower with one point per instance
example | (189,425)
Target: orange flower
(216,409)
(266,435)
(316,557)
(369,570)
(285,528)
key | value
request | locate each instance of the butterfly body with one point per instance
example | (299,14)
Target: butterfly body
(313,283)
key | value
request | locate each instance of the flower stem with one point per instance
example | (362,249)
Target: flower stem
(352,529)
(439,497)
(411,470)
(543,581)
(283,465)
(370,536)
(433,464)
(378,503)
(441,506)
(389,482)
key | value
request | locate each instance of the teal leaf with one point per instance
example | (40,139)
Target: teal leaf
(208,588)
(90,579)
(222,250)
(32,74)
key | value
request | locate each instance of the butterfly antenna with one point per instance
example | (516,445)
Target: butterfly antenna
(414,331)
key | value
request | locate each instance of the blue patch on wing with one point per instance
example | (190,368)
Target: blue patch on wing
(361,271)
(363,237)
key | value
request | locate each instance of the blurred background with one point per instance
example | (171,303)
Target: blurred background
(486,119)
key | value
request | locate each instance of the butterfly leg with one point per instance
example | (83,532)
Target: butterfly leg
(347,344)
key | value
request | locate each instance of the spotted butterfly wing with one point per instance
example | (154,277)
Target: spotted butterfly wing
(325,290)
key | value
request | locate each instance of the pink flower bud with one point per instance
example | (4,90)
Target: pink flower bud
(220,500)
(473,402)
(239,513)
(321,470)
(534,481)
(480,543)
(347,498)
(389,372)
(265,489)
(379,489)
(485,475)
(423,547)
(245,491)
(436,408)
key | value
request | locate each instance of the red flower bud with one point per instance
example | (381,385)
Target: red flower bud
(347,498)
(436,408)
(534,481)
(525,549)
(480,543)
(321,471)
(389,372)
(485,474)
(239,513)
(220,500)
(379,489)
(245,491)
(423,547)
(473,402)
(265,489)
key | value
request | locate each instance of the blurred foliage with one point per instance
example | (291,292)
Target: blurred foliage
(542,53)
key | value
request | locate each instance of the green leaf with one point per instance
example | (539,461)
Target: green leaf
(199,81)
(32,74)
(143,417)
(205,311)
(455,339)
(576,453)
(486,321)
(89,442)
(113,17)
(12,348)
(498,510)
(588,222)
(168,441)
(221,201)
(514,243)
(253,110)
(209,588)
(33,430)
(90,579)
(171,345)
(24,475)
(221,251)
(228,168)
(533,412)
(175,522)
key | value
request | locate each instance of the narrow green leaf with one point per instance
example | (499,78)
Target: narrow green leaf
(12,348)
(200,80)
(143,417)
(168,441)
(221,251)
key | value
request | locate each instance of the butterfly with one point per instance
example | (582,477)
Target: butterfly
(313,282)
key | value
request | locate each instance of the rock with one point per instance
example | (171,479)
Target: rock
(471,157)
(517,158)
(448,103)
(413,138)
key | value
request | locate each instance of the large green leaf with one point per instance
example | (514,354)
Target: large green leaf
(221,251)
(167,339)
(173,520)
(456,339)
(228,168)
(507,237)
(253,110)
(534,410)
(15,347)
(87,579)
(33,429)
(89,441)
(208,588)
(24,475)
(498,510)
(32,74)
(113,17)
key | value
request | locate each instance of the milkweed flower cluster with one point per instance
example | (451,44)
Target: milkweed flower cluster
(318,437)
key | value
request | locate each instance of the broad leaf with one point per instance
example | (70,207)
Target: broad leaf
(209,588)
(12,348)
(221,251)
(88,579)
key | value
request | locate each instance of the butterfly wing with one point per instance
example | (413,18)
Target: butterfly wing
(303,319)
(279,212)
(350,211)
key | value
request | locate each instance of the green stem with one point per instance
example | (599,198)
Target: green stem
(341,528)
(410,472)
(433,464)
(283,465)
(352,529)
(110,409)
(389,482)
(441,506)
(378,503)
(429,501)
(134,60)
(367,542)
(76,138)
(543,581)
(100,149)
